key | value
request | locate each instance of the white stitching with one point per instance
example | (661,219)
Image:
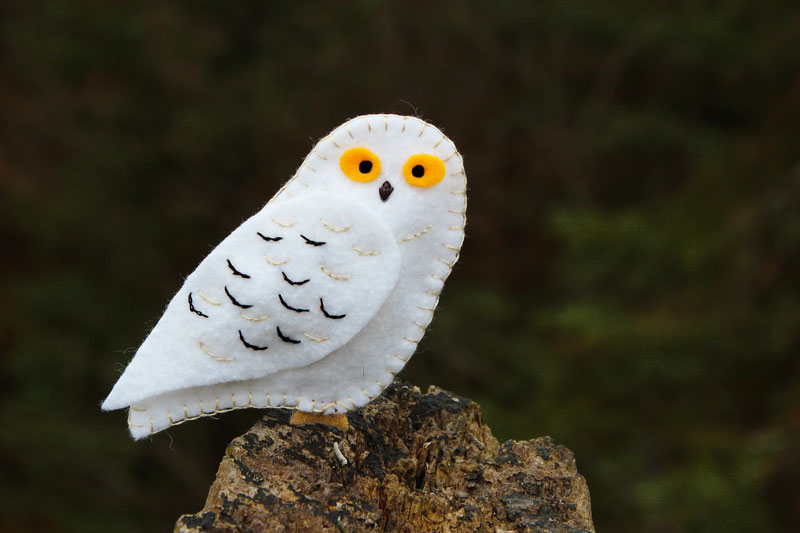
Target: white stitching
(254,318)
(334,228)
(214,357)
(338,277)
(276,263)
(420,234)
(366,252)
(284,224)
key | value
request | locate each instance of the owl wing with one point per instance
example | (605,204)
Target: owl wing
(293,283)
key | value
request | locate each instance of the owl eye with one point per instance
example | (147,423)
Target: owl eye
(423,170)
(359,164)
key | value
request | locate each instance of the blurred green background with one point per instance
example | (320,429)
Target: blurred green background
(630,284)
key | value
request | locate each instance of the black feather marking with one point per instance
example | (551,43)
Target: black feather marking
(251,346)
(194,310)
(290,282)
(268,239)
(235,302)
(236,272)
(312,243)
(284,338)
(327,314)
(289,307)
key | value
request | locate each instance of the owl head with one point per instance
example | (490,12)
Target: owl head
(402,167)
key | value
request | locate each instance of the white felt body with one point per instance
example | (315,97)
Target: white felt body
(383,266)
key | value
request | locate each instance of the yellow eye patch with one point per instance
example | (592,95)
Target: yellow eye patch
(423,170)
(359,164)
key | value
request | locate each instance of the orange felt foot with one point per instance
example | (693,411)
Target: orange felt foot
(300,418)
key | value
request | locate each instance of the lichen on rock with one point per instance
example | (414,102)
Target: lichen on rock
(414,462)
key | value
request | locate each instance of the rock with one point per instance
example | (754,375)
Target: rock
(409,462)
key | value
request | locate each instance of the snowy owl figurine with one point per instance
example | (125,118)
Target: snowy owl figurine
(320,298)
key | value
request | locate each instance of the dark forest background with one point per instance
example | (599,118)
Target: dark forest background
(630,284)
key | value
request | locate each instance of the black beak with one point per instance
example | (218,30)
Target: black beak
(386,190)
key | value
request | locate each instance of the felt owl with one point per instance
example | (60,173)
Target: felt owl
(316,301)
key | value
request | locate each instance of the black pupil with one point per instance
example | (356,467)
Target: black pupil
(418,171)
(365,167)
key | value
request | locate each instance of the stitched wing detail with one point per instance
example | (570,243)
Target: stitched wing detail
(289,276)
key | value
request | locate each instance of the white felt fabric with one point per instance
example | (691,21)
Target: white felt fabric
(205,343)
(383,266)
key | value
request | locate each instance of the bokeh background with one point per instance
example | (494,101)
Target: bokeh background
(630,284)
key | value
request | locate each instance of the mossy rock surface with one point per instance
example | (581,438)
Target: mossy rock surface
(414,462)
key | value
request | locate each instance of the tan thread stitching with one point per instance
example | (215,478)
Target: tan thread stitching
(289,194)
(137,409)
(207,299)
(303,183)
(456,212)
(268,404)
(348,131)
(385,124)
(215,357)
(312,169)
(313,338)
(439,141)
(334,228)
(151,427)
(446,263)
(320,156)
(403,360)
(420,326)
(456,228)
(404,125)
(169,415)
(412,341)
(424,125)
(449,157)
(368,126)
(440,278)
(276,263)
(366,252)
(130,422)
(284,224)
(254,318)
(450,247)
(459,172)
(431,309)
(335,144)
(420,234)
(458,192)
(343,277)
(352,402)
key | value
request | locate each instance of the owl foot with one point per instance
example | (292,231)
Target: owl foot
(301,418)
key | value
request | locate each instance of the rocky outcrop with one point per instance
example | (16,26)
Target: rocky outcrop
(409,462)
